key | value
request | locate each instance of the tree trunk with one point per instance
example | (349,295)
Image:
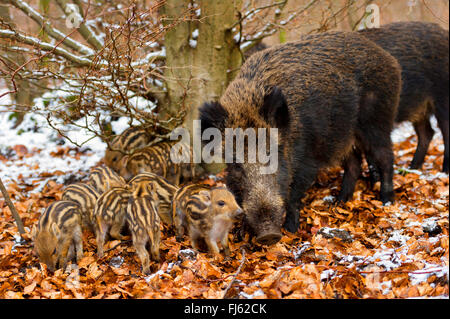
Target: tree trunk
(199,70)
(25,94)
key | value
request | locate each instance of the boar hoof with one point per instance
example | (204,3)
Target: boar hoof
(269,239)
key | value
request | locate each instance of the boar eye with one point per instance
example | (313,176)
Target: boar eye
(54,252)
(114,159)
(221,203)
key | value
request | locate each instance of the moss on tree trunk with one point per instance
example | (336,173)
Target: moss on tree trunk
(198,69)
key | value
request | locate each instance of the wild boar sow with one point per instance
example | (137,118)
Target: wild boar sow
(328,95)
(422,50)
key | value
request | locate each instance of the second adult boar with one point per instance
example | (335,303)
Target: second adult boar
(327,95)
(422,49)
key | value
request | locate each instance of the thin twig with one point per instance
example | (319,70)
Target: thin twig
(118,244)
(235,275)
(12,208)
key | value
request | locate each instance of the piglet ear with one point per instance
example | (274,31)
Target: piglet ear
(123,160)
(55,229)
(206,194)
(33,232)
(212,115)
(275,109)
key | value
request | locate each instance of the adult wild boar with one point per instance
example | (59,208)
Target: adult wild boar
(422,50)
(327,95)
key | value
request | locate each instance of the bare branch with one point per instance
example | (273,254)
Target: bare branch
(45,46)
(271,28)
(86,32)
(236,274)
(53,32)
(12,208)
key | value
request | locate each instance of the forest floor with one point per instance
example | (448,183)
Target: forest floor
(359,249)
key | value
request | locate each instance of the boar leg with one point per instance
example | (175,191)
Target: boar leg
(442,116)
(78,243)
(71,253)
(117,227)
(378,148)
(352,170)
(303,178)
(178,221)
(425,134)
(374,174)
(225,245)
(100,236)
(141,251)
(212,245)
(64,245)
(195,237)
(154,246)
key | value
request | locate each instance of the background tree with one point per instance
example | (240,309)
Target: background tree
(88,63)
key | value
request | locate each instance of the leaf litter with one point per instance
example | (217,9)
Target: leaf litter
(358,249)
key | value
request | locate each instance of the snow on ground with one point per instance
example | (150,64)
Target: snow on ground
(36,135)
(42,145)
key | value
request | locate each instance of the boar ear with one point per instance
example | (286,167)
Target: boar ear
(275,110)
(212,114)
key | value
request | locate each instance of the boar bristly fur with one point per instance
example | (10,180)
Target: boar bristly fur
(110,215)
(422,50)
(325,94)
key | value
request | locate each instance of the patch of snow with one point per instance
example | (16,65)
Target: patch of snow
(327,275)
(388,259)
(121,125)
(398,237)
(193,43)
(41,140)
(116,261)
(257,293)
(150,277)
(386,287)
(304,246)
(422,275)
(402,132)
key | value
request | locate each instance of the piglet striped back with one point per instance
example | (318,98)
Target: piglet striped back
(160,190)
(85,196)
(103,178)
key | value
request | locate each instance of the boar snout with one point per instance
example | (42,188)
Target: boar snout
(269,238)
(268,234)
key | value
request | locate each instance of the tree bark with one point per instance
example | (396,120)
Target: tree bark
(23,97)
(199,70)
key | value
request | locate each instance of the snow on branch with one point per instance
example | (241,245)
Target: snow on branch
(86,32)
(45,46)
(271,27)
(119,77)
(51,31)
